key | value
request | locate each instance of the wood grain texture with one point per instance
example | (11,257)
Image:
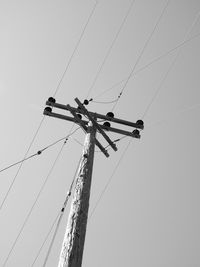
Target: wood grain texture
(73,243)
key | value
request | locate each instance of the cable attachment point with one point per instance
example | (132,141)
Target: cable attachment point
(120,94)
(52,100)
(48,109)
(85,102)
(117,140)
(110,115)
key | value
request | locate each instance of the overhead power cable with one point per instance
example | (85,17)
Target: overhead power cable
(145,67)
(114,141)
(32,207)
(75,49)
(170,68)
(61,215)
(141,53)
(105,102)
(21,163)
(110,179)
(110,48)
(46,238)
(39,151)
(57,88)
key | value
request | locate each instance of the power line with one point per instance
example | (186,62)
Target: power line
(21,163)
(39,151)
(32,207)
(105,102)
(75,49)
(110,179)
(61,215)
(110,49)
(57,88)
(170,68)
(58,219)
(114,141)
(146,66)
(46,238)
(141,53)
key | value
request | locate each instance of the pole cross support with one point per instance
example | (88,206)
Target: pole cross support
(84,110)
(73,243)
(93,116)
(85,129)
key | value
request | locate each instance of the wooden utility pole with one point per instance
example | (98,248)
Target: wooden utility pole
(73,243)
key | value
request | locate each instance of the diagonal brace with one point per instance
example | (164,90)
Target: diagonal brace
(84,110)
(81,123)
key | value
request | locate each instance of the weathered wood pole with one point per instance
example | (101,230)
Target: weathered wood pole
(73,243)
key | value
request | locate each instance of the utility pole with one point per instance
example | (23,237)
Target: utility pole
(73,243)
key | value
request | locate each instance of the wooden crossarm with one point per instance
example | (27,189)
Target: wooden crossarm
(96,124)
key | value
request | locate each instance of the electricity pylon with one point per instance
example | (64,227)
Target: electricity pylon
(74,239)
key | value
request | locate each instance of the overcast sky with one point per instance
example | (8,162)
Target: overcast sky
(149,214)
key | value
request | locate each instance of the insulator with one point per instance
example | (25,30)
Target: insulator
(48,109)
(140,122)
(39,152)
(86,102)
(52,100)
(80,116)
(136,132)
(107,124)
(110,114)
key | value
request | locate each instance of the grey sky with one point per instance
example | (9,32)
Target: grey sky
(149,215)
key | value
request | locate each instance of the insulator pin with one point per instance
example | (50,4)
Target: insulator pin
(110,114)
(52,100)
(48,109)
(107,124)
(140,122)
(86,102)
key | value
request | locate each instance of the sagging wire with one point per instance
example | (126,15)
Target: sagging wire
(56,91)
(36,200)
(39,152)
(169,69)
(105,102)
(141,53)
(21,164)
(110,48)
(32,207)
